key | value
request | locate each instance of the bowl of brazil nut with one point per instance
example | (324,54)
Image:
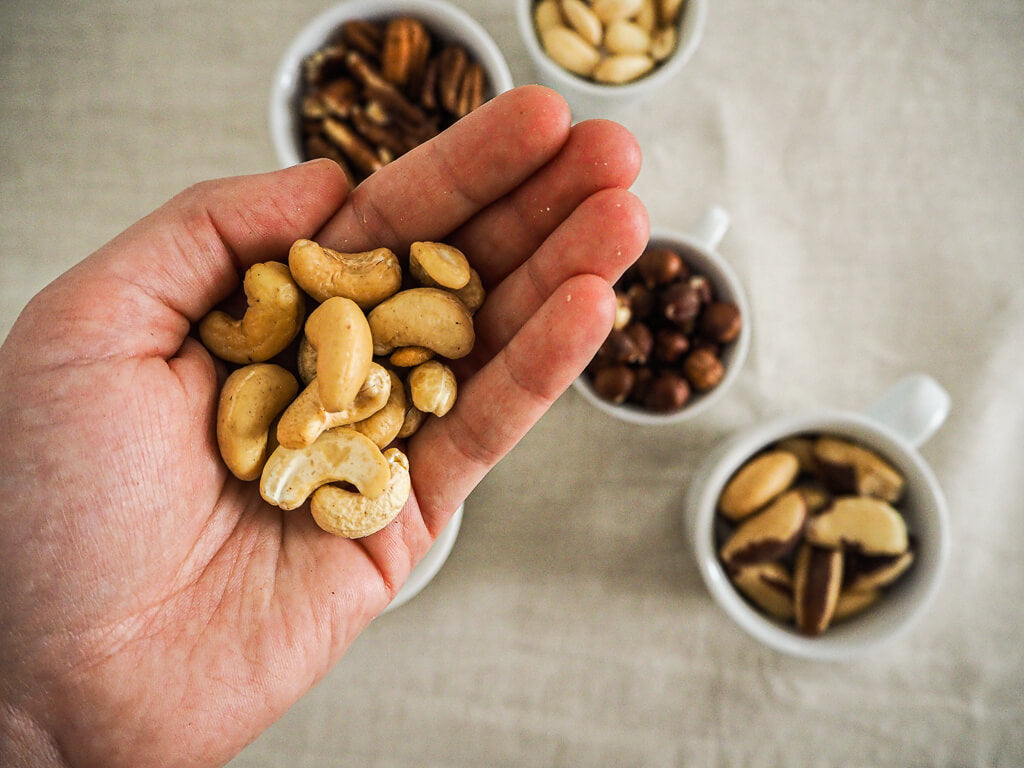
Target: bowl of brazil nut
(681,333)
(335,361)
(824,533)
(364,82)
(610,49)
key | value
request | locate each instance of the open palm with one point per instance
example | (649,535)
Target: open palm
(156,611)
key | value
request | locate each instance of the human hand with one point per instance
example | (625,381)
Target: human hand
(155,610)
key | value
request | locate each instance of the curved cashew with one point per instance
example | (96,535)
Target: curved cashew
(422,317)
(433,387)
(410,357)
(366,278)
(250,400)
(306,361)
(271,321)
(413,419)
(353,515)
(338,455)
(339,333)
(438,265)
(472,293)
(306,418)
(384,426)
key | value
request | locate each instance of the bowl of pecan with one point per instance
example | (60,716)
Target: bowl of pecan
(825,533)
(365,82)
(681,332)
(601,49)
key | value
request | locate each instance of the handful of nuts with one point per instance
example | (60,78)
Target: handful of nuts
(371,360)
(608,41)
(378,90)
(668,336)
(812,533)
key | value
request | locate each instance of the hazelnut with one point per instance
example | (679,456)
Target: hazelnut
(703,369)
(642,385)
(641,301)
(680,304)
(705,291)
(670,345)
(614,383)
(668,392)
(659,266)
(720,321)
(643,339)
(623,311)
(619,347)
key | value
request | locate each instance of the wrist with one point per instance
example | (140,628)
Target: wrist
(25,743)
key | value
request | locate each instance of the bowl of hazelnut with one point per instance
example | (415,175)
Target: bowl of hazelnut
(364,82)
(681,333)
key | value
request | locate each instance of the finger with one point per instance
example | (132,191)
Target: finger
(599,154)
(603,236)
(499,405)
(435,188)
(189,252)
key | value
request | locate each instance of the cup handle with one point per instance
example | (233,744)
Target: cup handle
(914,407)
(710,228)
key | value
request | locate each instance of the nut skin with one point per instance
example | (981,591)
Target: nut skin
(817,580)
(670,345)
(643,340)
(641,301)
(619,347)
(668,392)
(614,383)
(703,369)
(720,322)
(659,266)
(680,305)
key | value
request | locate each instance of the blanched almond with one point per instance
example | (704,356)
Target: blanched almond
(569,50)
(626,37)
(869,525)
(583,20)
(611,10)
(622,68)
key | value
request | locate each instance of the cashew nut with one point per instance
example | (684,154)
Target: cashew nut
(433,387)
(422,317)
(384,426)
(410,357)
(306,418)
(438,265)
(306,361)
(413,419)
(272,319)
(472,293)
(353,515)
(339,333)
(338,455)
(250,400)
(366,278)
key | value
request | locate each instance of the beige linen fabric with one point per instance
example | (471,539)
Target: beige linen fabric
(872,157)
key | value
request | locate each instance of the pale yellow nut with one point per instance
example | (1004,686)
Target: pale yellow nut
(567,49)
(647,16)
(271,321)
(622,68)
(338,455)
(472,294)
(546,15)
(438,265)
(852,602)
(613,10)
(757,482)
(367,278)
(433,387)
(383,426)
(422,317)
(340,334)
(871,526)
(769,534)
(668,11)
(414,418)
(306,418)
(769,586)
(625,36)
(250,400)
(663,43)
(410,357)
(850,468)
(353,515)
(306,361)
(583,19)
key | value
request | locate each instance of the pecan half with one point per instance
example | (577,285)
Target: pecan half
(404,55)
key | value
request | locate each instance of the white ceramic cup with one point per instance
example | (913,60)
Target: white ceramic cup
(448,22)
(698,248)
(427,568)
(690,30)
(899,422)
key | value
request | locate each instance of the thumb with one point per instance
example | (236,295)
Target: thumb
(141,291)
